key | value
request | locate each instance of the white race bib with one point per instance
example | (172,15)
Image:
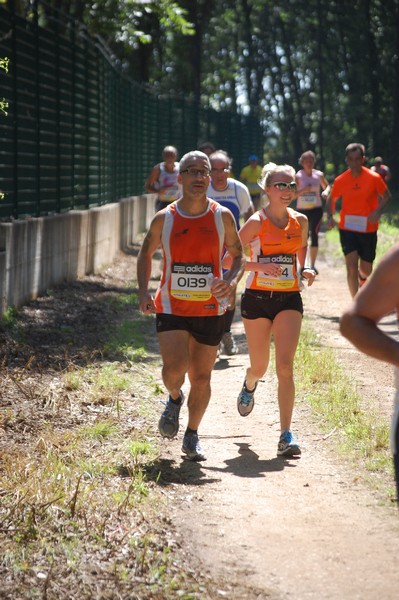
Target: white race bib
(170,194)
(189,281)
(355,223)
(309,200)
(285,280)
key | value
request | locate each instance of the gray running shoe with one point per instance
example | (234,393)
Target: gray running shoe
(192,447)
(168,424)
(288,445)
(246,401)
(229,344)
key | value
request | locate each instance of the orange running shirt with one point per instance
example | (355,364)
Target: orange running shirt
(192,247)
(279,246)
(359,199)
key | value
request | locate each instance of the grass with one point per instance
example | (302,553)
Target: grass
(85,492)
(79,516)
(127,342)
(362,435)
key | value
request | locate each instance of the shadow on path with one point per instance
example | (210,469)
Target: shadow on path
(247,464)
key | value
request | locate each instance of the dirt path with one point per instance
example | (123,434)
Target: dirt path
(306,528)
(256,526)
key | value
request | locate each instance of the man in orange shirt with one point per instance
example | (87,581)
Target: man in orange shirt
(363,195)
(193,232)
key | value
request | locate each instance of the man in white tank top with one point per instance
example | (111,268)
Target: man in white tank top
(235,196)
(163,179)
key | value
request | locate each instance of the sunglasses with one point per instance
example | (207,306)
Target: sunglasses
(283,185)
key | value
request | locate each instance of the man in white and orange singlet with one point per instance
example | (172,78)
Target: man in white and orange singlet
(193,232)
(364,195)
(359,324)
(163,179)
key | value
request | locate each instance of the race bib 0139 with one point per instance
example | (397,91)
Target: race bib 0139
(189,281)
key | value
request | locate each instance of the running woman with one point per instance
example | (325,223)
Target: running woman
(271,303)
(309,201)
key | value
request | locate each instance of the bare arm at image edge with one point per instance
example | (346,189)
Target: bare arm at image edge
(379,297)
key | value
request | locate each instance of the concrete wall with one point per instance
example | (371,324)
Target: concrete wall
(36,254)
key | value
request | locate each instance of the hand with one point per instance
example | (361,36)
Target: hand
(331,223)
(221,288)
(374,216)
(274,270)
(309,275)
(146,304)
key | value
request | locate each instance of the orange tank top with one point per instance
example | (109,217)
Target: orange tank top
(279,246)
(192,248)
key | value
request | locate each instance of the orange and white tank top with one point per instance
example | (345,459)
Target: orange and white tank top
(278,246)
(192,248)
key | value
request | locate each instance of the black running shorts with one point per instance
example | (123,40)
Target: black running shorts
(267,305)
(205,330)
(364,244)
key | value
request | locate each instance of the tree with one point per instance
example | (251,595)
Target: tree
(318,73)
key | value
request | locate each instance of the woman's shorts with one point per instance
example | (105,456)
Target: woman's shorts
(364,244)
(205,330)
(267,305)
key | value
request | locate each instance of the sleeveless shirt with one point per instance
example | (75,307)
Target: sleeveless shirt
(235,197)
(311,199)
(192,247)
(278,246)
(169,181)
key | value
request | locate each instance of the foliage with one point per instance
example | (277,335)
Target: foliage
(320,73)
(296,64)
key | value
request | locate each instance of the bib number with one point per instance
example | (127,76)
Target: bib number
(170,194)
(285,280)
(355,223)
(189,281)
(307,200)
